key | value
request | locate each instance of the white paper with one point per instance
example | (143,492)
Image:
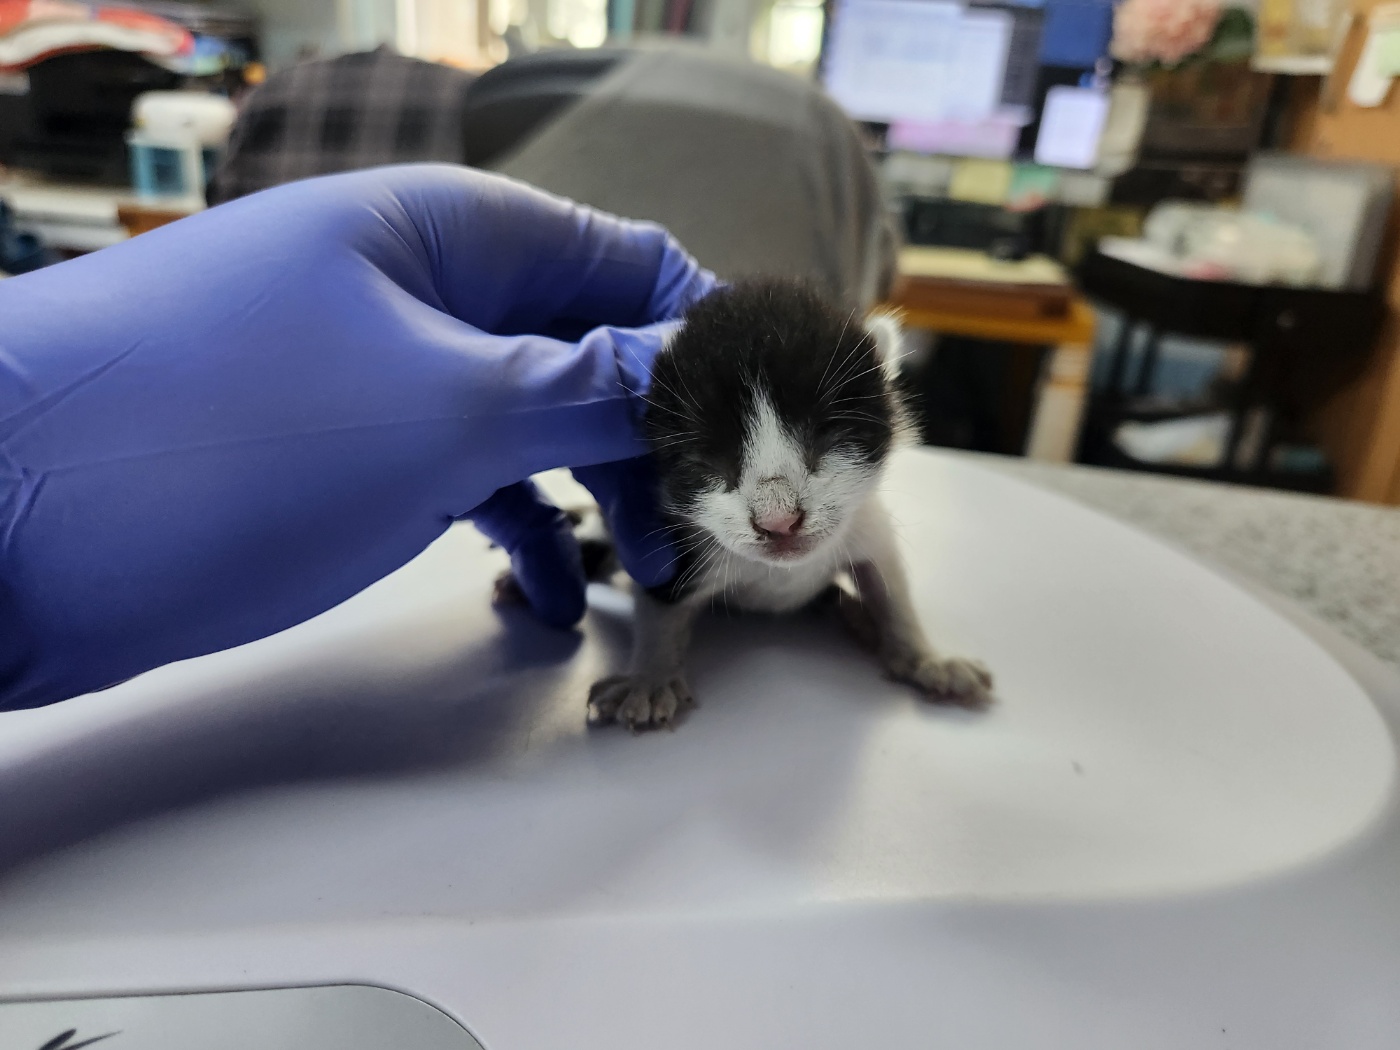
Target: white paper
(1071,127)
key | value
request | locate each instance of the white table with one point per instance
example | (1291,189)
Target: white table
(1177,829)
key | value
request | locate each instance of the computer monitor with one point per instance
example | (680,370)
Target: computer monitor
(928,60)
(958,78)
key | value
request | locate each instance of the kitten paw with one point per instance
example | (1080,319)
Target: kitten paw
(638,703)
(966,683)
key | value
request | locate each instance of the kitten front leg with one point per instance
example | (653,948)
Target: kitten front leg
(654,691)
(881,615)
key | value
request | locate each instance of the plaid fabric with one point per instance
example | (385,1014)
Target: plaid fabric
(338,114)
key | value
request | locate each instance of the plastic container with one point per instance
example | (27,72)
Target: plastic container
(167,167)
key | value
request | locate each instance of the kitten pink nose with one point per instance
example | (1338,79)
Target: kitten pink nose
(779,523)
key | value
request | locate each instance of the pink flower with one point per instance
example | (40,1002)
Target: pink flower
(1165,31)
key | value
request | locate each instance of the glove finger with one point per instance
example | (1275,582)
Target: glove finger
(544,555)
(626,494)
(549,570)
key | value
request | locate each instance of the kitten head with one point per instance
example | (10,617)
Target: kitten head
(771,414)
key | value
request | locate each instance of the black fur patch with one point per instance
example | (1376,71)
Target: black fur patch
(772,338)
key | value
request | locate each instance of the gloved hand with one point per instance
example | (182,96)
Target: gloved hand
(228,425)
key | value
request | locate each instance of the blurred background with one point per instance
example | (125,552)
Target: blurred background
(1156,236)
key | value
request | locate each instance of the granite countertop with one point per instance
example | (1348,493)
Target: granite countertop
(1337,559)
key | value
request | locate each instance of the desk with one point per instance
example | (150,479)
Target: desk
(1011,303)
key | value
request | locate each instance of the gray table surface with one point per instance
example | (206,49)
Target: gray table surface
(1339,560)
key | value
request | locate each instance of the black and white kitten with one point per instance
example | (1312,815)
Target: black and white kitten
(771,415)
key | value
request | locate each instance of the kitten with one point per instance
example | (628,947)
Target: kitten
(771,415)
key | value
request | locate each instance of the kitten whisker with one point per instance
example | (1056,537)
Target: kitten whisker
(876,367)
(849,318)
(852,361)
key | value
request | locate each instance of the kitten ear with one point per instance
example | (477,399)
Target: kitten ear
(888,334)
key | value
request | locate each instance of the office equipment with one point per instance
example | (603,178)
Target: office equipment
(1070,127)
(927,73)
(993,137)
(1076,33)
(940,222)
(945,77)
(892,60)
(1184,814)
(342,1017)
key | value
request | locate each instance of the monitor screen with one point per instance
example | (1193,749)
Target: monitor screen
(927,60)
(958,78)
(916,60)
